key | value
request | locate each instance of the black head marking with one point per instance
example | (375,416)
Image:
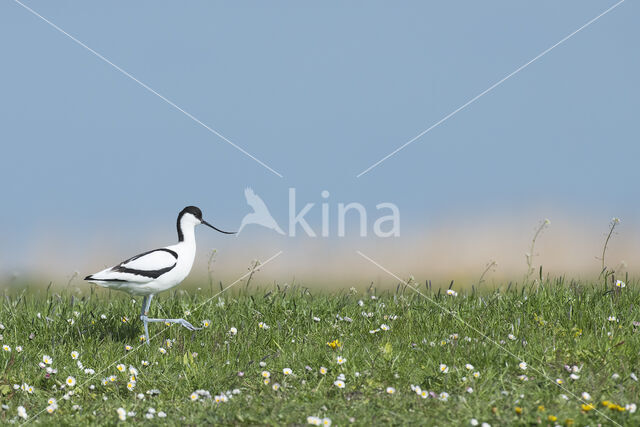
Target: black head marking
(193,210)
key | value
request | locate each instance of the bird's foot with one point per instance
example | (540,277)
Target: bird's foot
(188,325)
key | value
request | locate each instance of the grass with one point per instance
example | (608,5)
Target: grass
(554,326)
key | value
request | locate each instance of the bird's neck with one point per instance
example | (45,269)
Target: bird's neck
(186,234)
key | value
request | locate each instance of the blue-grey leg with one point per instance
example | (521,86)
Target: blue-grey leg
(146,302)
(182,322)
(145,310)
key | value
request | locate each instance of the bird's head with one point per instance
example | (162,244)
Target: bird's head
(192,216)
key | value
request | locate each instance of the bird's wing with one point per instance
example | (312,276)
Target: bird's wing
(141,268)
(255,201)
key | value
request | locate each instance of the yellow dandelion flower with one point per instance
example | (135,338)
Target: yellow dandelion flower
(552,418)
(518,410)
(587,407)
(335,344)
(541,408)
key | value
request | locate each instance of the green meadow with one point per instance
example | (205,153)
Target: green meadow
(550,352)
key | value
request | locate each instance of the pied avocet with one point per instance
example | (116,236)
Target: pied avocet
(157,270)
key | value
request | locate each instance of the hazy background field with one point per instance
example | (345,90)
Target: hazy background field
(94,168)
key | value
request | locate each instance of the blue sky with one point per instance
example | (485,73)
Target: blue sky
(319,92)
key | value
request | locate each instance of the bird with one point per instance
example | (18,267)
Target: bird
(157,270)
(260,214)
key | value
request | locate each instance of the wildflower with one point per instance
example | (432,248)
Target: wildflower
(444,396)
(194,397)
(161,414)
(50,409)
(335,344)
(424,394)
(287,371)
(444,368)
(112,378)
(266,374)
(574,376)
(523,366)
(262,364)
(121,367)
(47,359)
(233,331)
(469,390)
(552,418)
(125,319)
(266,381)
(469,366)
(6,348)
(263,325)
(315,421)
(587,407)
(340,360)
(373,331)
(586,396)
(206,323)
(559,381)
(620,284)
(452,293)
(384,327)
(22,413)
(19,348)
(323,370)
(633,376)
(145,363)
(339,383)
(74,355)
(612,319)
(391,390)
(316,319)
(631,407)
(275,387)
(523,377)
(132,370)
(474,422)
(122,414)
(518,410)
(615,376)
(326,422)
(131,385)
(127,347)
(476,374)
(162,350)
